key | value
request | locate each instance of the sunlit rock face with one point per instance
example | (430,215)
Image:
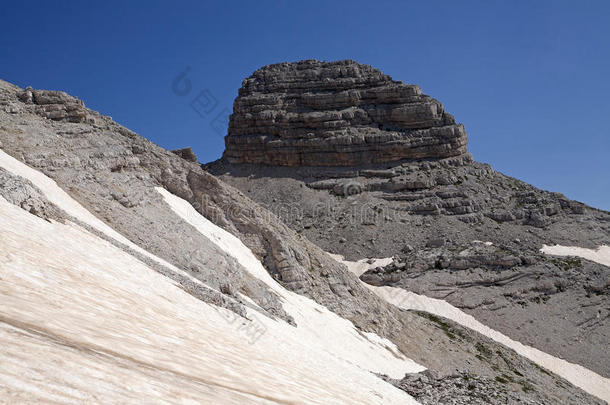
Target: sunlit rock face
(55,105)
(313,113)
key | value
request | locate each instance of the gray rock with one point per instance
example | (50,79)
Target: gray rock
(56,105)
(312,113)
(112,172)
(186,154)
(435,243)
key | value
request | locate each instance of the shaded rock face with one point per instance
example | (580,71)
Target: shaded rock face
(312,113)
(186,154)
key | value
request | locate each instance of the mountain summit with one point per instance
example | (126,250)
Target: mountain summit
(343,113)
(368,167)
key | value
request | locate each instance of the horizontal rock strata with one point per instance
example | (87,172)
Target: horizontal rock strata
(312,113)
(56,105)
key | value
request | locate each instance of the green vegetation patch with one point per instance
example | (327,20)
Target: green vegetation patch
(567,263)
(449,331)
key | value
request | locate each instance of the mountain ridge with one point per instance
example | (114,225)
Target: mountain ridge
(113,173)
(457,229)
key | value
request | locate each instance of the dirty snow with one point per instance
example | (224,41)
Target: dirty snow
(82,321)
(600,255)
(59,197)
(317,327)
(582,377)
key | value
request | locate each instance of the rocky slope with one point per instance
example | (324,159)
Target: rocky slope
(457,229)
(112,176)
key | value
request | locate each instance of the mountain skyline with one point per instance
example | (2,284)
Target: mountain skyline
(526,80)
(390,202)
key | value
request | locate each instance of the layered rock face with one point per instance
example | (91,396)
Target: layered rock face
(313,113)
(55,105)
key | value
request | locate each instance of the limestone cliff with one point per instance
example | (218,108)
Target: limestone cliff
(313,113)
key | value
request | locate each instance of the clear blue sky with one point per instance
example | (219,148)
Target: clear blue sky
(529,79)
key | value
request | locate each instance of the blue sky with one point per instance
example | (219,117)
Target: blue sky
(529,79)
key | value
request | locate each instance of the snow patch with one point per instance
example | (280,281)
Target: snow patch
(486,243)
(317,327)
(59,197)
(82,321)
(600,255)
(578,375)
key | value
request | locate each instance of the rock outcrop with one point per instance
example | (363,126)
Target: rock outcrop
(56,105)
(401,187)
(313,113)
(186,154)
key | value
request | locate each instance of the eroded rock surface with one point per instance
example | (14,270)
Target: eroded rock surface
(313,113)
(55,105)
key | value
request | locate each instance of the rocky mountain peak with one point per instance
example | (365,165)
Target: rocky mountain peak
(315,113)
(461,288)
